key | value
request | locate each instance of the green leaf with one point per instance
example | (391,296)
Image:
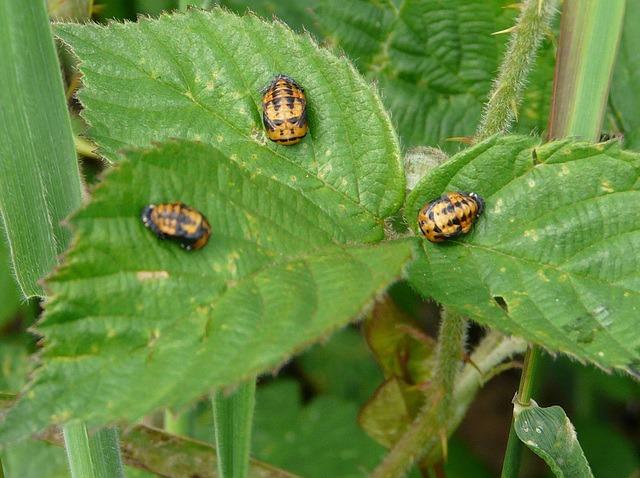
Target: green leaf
(343,367)
(434,61)
(136,323)
(558,243)
(197,76)
(293,436)
(39,179)
(400,346)
(550,435)
(297,15)
(624,98)
(30,459)
(390,411)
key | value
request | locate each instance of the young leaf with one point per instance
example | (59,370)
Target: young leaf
(135,322)
(198,76)
(549,433)
(556,246)
(390,411)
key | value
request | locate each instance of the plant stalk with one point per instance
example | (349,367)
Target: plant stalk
(430,424)
(590,32)
(513,454)
(531,27)
(233,415)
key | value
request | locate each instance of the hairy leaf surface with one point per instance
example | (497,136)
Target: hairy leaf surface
(135,322)
(554,257)
(198,76)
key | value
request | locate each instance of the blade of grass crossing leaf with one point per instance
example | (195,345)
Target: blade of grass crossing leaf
(93,455)
(589,35)
(39,178)
(233,414)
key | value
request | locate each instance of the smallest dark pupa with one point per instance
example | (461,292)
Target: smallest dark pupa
(178,222)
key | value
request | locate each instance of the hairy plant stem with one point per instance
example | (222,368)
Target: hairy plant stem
(531,27)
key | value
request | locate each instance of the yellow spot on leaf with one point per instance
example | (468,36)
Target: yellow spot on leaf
(564,171)
(606,186)
(143,276)
(531,183)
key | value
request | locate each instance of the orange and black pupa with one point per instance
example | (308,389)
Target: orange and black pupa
(449,216)
(284,110)
(179,222)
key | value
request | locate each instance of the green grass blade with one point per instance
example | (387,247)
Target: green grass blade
(233,415)
(39,179)
(589,36)
(77,444)
(93,455)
